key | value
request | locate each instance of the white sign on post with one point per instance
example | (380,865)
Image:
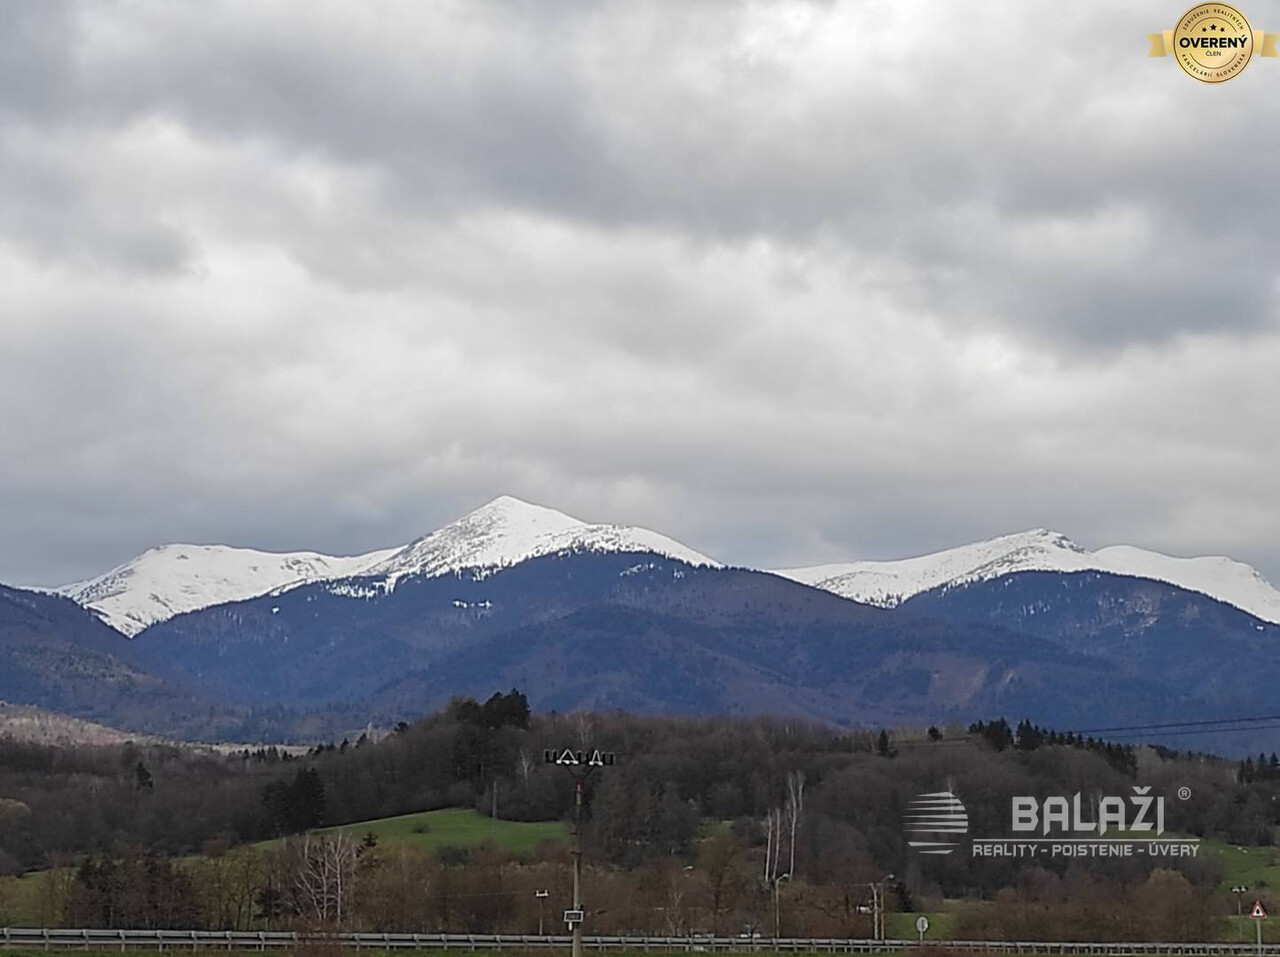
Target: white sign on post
(922,924)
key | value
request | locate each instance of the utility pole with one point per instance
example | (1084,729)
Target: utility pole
(577,865)
(493,813)
(580,764)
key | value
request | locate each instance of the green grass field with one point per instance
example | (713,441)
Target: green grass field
(1257,868)
(451,827)
(20,900)
(454,827)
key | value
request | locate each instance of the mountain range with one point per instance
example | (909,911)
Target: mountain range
(173,579)
(212,641)
(889,583)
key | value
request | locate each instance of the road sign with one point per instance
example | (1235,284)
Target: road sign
(922,924)
(1259,914)
(572,917)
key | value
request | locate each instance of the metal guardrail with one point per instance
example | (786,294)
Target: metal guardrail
(90,939)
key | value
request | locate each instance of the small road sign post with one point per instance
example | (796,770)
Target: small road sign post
(581,764)
(1258,913)
(542,896)
(922,924)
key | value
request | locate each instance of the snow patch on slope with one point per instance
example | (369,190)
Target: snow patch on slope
(889,583)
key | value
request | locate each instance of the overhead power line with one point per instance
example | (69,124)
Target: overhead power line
(1262,722)
(1186,731)
(1178,724)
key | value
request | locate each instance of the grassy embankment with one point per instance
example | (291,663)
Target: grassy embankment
(453,827)
(450,827)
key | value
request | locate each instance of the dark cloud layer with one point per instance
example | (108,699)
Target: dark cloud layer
(790,282)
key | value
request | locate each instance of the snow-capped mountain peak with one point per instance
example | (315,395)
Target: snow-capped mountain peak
(171,579)
(508,531)
(889,583)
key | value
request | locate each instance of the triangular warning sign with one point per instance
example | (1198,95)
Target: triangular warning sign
(1259,912)
(568,758)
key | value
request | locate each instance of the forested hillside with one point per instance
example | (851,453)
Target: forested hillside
(711,794)
(637,631)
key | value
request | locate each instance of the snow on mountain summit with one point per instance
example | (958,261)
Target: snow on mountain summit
(889,583)
(508,531)
(1216,576)
(172,579)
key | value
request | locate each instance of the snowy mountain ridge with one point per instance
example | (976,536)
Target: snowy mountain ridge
(508,531)
(172,579)
(889,583)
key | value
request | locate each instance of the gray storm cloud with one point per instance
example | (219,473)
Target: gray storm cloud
(789,282)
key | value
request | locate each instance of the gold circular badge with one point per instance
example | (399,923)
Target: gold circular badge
(1213,42)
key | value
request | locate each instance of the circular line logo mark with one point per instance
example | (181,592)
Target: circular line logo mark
(1213,42)
(935,823)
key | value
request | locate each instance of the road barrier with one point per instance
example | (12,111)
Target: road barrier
(88,939)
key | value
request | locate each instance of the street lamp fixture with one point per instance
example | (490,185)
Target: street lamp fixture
(1238,890)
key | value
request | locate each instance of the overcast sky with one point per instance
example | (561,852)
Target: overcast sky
(788,282)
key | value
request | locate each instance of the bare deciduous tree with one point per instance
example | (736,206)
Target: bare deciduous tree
(582,726)
(773,844)
(324,876)
(718,857)
(795,808)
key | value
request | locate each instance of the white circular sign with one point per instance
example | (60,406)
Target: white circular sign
(922,923)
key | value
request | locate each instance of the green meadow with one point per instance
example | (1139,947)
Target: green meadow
(454,827)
